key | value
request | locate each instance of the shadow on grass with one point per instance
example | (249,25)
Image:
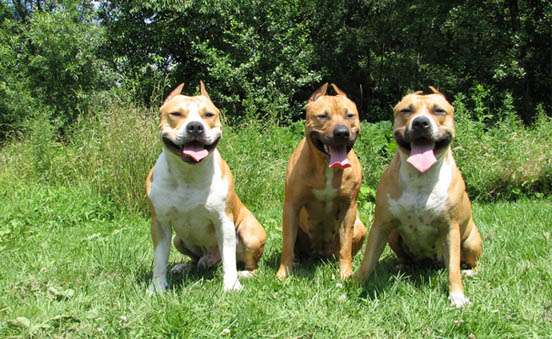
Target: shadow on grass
(304,267)
(176,280)
(390,268)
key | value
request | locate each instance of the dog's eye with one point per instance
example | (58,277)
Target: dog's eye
(406,111)
(323,116)
(175,114)
(439,111)
(350,115)
(208,114)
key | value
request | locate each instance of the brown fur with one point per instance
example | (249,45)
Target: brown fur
(311,227)
(457,232)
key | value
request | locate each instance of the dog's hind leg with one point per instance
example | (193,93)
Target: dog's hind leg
(359,233)
(471,249)
(251,238)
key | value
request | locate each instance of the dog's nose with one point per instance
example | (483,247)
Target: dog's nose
(195,128)
(341,132)
(421,123)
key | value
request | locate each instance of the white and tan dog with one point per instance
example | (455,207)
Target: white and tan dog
(422,208)
(192,192)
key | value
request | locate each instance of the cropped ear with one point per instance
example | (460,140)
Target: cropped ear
(319,92)
(338,91)
(174,92)
(434,90)
(202,89)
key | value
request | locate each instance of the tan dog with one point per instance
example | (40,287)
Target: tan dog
(422,208)
(192,192)
(322,182)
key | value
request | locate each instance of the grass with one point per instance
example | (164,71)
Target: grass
(76,251)
(75,264)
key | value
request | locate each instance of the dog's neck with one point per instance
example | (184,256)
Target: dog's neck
(191,173)
(320,160)
(412,178)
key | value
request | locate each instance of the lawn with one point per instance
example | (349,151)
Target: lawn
(75,264)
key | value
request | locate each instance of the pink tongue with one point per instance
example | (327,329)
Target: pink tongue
(422,157)
(196,152)
(338,157)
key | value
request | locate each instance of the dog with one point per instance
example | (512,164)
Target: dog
(191,191)
(422,208)
(323,178)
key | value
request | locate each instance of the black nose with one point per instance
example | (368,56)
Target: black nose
(341,132)
(195,128)
(421,123)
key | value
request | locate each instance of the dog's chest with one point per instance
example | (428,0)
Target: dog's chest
(192,209)
(420,211)
(325,196)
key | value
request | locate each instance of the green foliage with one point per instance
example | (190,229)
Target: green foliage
(51,62)
(255,57)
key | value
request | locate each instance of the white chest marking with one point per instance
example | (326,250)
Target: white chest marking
(420,208)
(190,198)
(328,193)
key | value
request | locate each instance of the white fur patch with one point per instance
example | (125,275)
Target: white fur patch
(422,202)
(191,200)
(327,194)
(458,299)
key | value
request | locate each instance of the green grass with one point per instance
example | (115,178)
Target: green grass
(75,264)
(76,253)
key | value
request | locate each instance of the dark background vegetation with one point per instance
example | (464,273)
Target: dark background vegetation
(263,58)
(74,74)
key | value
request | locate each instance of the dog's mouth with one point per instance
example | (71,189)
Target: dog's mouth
(335,152)
(192,152)
(423,151)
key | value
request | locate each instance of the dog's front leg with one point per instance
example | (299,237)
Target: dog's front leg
(289,235)
(452,262)
(346,242)
(161,236)
(377,238)
(226,236)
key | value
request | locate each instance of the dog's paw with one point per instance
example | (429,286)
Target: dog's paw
(346,274)
(469,273)
(283,272)
(246,274)
(157,287)
(458,299)
(232,286)
(182,269)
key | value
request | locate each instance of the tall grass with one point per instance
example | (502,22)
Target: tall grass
(113,151)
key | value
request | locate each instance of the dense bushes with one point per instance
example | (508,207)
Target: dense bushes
(263,58)
(50,64)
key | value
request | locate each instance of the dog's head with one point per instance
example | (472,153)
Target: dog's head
(423,127)
(332,124)
(190,125)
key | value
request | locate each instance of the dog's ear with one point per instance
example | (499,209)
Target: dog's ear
(338,91)
(202,89)
(319,92)
(174,92)
(434,90)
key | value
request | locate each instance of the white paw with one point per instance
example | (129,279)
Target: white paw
(232,286)
(158,286)
(469,273)
(182,269)
(458,299)
(246,274)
